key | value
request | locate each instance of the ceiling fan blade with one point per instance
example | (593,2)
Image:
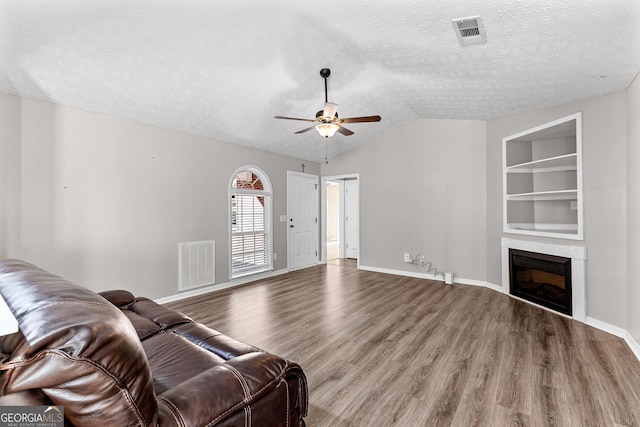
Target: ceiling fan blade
(344,131)
(361,119)
(306,130)
(293,118)
(330,110)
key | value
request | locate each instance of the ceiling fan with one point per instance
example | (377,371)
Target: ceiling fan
(327,122)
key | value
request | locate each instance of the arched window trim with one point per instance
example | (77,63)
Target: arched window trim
(243,258)
(266,183)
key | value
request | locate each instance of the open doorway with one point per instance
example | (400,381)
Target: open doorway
(341,219)
(335,215)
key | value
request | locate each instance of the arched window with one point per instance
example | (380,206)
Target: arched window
(250,222)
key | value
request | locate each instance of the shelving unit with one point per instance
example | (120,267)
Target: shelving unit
(542,180)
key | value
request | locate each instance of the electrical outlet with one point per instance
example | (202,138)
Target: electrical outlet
(573,205)
(407,258)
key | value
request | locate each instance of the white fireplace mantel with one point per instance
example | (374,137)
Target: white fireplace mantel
(578,255)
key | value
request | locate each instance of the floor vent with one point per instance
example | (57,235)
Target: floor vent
(470,31)
(196,264)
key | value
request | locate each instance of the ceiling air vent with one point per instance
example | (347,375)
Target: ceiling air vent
(470,31)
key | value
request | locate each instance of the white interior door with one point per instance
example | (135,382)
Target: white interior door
(352,219)
(302,207)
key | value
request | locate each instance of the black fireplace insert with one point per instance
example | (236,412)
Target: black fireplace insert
(542,279)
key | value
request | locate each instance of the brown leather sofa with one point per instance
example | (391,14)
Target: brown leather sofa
(116,360)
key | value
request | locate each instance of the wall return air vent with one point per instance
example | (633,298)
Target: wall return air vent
(470,31)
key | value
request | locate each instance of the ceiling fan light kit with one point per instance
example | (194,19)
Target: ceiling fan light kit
(327,119)
(327,129)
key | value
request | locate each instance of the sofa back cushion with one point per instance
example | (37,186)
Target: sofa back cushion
(75,348)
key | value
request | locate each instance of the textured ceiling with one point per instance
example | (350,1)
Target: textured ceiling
(222,69)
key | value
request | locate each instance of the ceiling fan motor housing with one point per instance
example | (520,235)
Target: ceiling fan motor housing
(320,116)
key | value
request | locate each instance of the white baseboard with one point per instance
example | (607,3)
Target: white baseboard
(472,282)
(212,288)
(400,272)
(418,275)
(633,344)
(619,332)
(604,326)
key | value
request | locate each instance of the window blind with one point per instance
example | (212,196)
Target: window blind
(250,234)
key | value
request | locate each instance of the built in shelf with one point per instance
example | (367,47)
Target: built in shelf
(542,180)
(567,162)
(545,195)
(545,228)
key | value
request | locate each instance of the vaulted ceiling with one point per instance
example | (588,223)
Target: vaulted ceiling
(222,69)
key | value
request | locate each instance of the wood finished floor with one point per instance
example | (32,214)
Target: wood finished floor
(382,350)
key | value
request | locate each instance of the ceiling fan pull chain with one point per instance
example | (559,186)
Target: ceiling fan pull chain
(326,151)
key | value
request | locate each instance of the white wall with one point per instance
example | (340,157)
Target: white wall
(422,191)
(105,201)
(10,107)
(605,198)
(633,201)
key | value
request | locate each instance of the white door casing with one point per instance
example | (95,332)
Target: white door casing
(302,219)
(352,219)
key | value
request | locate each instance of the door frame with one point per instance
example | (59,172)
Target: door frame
(306,175)
(323,212)
(341,216)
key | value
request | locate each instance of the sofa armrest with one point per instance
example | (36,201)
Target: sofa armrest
(230,391)
(118,297)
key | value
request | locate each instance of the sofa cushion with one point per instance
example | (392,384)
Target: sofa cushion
(79,350)
(174,360)
(239,383)
(147,317)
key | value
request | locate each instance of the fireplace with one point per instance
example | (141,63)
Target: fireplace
(542,279)
(578,256)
